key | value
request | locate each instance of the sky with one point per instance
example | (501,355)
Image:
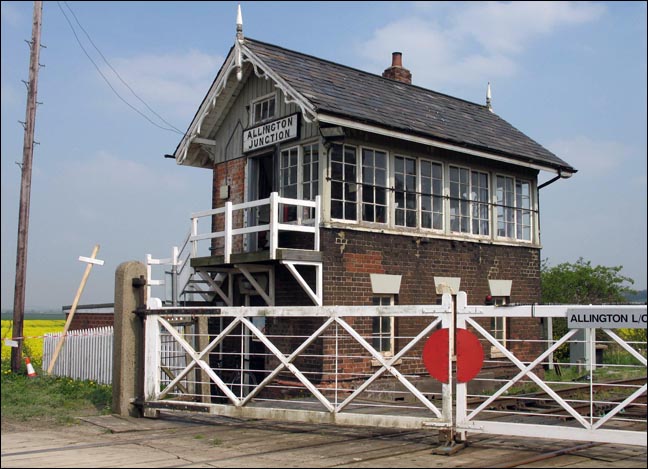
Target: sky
(572,76)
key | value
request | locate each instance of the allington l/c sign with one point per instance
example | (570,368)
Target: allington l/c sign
(270,133)
(584,318)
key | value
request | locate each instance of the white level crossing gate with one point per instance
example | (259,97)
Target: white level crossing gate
(332,365)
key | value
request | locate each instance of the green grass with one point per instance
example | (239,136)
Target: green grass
(49,399)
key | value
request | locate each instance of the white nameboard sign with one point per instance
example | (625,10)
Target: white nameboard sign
(584,318)
(271,133)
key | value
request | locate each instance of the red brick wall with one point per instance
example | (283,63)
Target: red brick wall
(82,321)
(349,259)
(230,173)
(347,266)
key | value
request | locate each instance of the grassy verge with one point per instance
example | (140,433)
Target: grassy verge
(49,400)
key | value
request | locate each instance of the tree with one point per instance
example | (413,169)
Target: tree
(581,283)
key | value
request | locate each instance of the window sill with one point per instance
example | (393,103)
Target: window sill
(419,233)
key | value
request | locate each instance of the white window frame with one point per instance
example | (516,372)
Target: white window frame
(259,101)
(354,186)
(481,220)
(306,214)
(513,207)
(416,190)
(472,203)
(384,300)
(499,327)
(432,196)
(360,178)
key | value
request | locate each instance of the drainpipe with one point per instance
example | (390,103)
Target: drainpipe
(560,175)
(545,184)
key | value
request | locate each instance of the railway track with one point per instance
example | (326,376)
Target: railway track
(594,400)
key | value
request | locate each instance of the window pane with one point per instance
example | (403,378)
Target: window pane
(406,186)
(381,177)
(400,200)
(367,158)
(336,209)
(399,182)
(350,211)
(459,200)
(349,155)
(336,153)
(374,177)
(398,165)
(343,172)
(368,212)
(381,159)
(381,214)
(381,196)
(411,218)
(400,217)
(367,194)
(426,220)
(271,107)
(367,175)
(336,171)
(431,192)
(349,173)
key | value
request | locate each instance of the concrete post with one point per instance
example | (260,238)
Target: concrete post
(127,349)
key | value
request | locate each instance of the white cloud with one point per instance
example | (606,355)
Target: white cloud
(508,27)
(477,41)
(591,157)
(172,84)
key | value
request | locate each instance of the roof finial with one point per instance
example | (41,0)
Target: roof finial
(239,24)
(488,98)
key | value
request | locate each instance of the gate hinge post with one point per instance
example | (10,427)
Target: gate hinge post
(450,442)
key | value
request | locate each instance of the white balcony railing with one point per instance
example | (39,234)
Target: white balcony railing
(234,220)
(275,225)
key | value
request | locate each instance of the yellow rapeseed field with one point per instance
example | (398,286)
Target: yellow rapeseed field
(34,330)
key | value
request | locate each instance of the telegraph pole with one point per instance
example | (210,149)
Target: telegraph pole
(25,189)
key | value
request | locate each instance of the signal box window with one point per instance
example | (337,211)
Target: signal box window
(264,109)
(383,327)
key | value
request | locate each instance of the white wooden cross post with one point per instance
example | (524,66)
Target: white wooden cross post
(92,260)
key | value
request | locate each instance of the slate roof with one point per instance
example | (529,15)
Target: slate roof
(347,92)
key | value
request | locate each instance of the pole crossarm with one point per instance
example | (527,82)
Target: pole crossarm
(91,262)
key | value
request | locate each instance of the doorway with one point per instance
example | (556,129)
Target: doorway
(260,186)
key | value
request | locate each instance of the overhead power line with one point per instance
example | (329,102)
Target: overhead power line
(171,128)
(117,73)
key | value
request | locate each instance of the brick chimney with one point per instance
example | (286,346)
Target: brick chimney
(396,71)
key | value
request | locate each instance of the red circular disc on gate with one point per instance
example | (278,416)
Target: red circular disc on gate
(470,355)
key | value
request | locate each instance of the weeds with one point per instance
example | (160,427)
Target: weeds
(50,399)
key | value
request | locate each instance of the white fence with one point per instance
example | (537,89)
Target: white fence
(323,364)
(86,354)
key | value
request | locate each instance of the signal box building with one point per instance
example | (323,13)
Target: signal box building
(418,193)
